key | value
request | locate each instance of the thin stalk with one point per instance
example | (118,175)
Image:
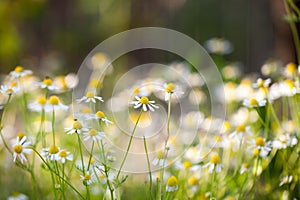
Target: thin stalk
(53,126)
(91,155)
(81,155)
(129,144)
(149,167)
(1,125)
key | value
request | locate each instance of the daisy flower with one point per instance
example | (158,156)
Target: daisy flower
(170,88)
(8,90)
(63,156)
(253,103)
(17,196)
(145,103)
(261,83)
(76,128)
(21,148)
(94,135)
(260,146)
(284,141)
(101,116)
(290,70)
(90,97)
(214,164)
(87,179)
(51,152)
(38,105)
(218,46)
(19,72)
(245,168)
(47,83)
(172,184)
(193,183)
(159,159)
(54,104)
(285,180)
(241,131)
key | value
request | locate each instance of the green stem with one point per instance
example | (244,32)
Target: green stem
(53,126)
(1,125)
(81,155)
(149,167)
(91,155)
(129,144)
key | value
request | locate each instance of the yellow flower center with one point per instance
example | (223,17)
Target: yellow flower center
(260,142)
(291,68)
(19,69)
(53,149)
(240,128)
(215,159)
(100,114)
(255,152)
(260,83)
(47,81)
(226,126)
(136,90)
(94,83)
(246,165)
(253,102)
(289,83)
(13,84)
(18,149)
(90,94)
(21,135)
(172,181)
(42,100)
(144,100)
(77,125)
(187,164)
(63,154)
(218,138)
(87,177)
(86,110)
(54,100)
(160,155)
(93,132)
(193,180)
(170,87)
(9,91)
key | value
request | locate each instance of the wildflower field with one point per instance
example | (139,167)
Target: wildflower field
(157,131)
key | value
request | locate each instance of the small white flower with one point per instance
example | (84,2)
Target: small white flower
(5,89)
(285,180)
(245,168)
(19,72)
(20,148)
(260,83)
(76,128)
(54,104)
(18,196)
(39,105)
(90,97)
(241,132)
(47,83)
(218,46)
(159,159)
(101,116)
(284,141)
(94,135)
(63,156)
(170,89)
(145,103)
(87,179)
(253,103)
(50,153)
(260,146)
(172,184)
(214,164)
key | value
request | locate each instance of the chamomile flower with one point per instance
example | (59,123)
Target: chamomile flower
(285,180)
(54,104)
(145,103)
(38,105)
(241,131)
(76,128)
(101,116)
(172,184)
(47,83)
(19,71)
(94,135)
(63,156)
(159,159)
(21,148)
(261,83)
(218,46)
(245,168)
(51,152)
(9,90)
(17,196)
(260,146)
(193,182)
(87,179)
(170,88)
(90,97)
(284,140)
(253,103)
(214,164)
(290,70)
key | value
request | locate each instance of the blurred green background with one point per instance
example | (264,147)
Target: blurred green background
(58,34)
